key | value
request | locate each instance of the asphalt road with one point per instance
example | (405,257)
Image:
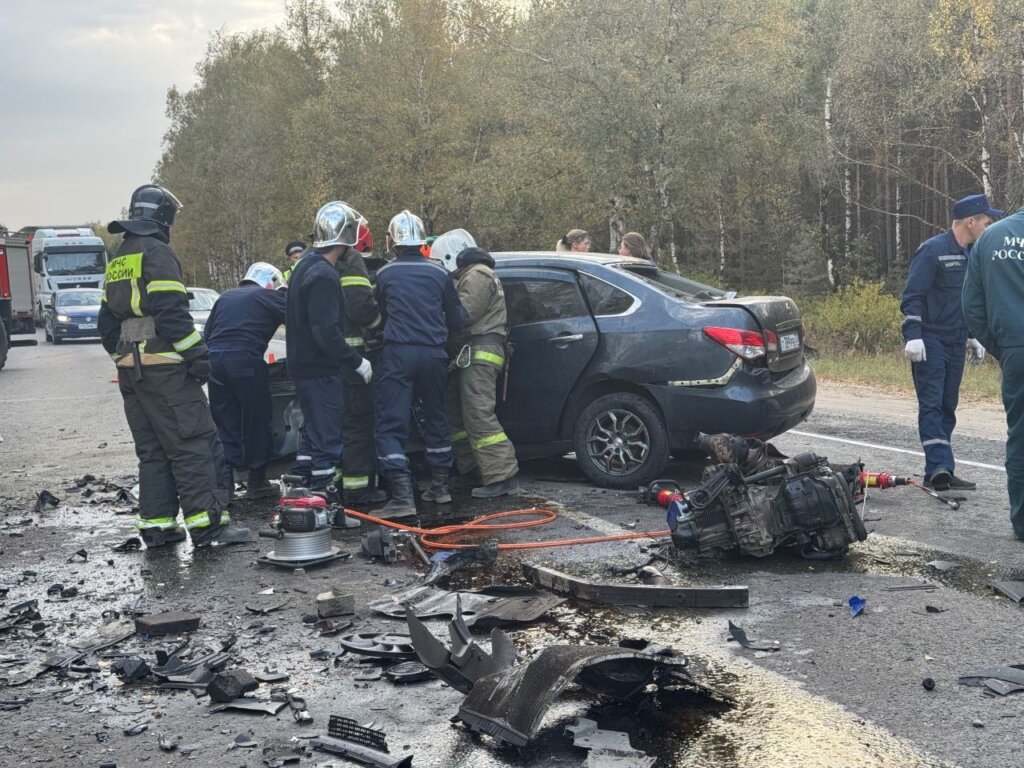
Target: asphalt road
(841,691)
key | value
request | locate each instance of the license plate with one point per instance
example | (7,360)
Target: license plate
(87,326)
(789,342)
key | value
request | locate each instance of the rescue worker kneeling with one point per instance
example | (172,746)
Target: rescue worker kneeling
(478,440)
(241,324)
(162,364)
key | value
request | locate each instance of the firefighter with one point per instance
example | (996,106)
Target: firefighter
(478,440)
(293,251)
(935,332)
(358,475)
(317,353)
(162,364)
(420,307)
(241,324)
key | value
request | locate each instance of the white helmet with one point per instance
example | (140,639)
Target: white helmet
(449,245)
(265,275)
(336,223)
(407,229)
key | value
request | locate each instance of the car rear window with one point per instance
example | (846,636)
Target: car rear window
(537,300)
(674,284)
(605,298)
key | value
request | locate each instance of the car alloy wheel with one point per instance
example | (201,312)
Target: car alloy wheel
(618,442)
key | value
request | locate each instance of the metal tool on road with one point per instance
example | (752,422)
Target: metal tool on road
(951,503)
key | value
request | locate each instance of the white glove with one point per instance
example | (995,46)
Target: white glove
(977,351)
(914,351)
(365,370)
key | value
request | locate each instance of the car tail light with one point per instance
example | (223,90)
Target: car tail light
(750,345)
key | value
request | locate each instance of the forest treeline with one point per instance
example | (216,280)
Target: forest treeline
(779,145)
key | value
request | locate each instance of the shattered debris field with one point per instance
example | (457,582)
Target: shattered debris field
(263,665)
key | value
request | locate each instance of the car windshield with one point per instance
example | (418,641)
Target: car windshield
(674,284)
(79,299)
(75,263)
(202,299)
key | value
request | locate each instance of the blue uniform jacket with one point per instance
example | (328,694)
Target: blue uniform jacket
(245,319)
(931,302)
(418,301)
(994,289)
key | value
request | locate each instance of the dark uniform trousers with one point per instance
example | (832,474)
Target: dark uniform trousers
(242,409)
(937,381)
(174,438)
(478,438)
(358,457)
(1012,362)
(411,371)
(322,403)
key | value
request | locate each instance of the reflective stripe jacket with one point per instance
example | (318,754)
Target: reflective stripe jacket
(931,303)
(362,316)
(418,301)
(144,280)
(483,299)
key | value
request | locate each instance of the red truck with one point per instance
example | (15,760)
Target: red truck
(17,293)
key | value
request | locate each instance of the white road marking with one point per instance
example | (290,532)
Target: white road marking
(888,448)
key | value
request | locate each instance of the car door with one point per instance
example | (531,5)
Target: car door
(553,337)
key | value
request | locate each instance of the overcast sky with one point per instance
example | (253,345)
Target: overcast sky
(83,89)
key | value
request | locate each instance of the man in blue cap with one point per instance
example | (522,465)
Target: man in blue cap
(935,331)
(993,300)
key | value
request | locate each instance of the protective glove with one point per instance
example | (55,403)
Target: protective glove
(365,370)
(199,369)
(914,351)
(977,352)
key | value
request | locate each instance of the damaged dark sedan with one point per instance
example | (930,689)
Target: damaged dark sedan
(623,364)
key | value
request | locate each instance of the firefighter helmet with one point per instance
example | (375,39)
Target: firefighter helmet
(407,229)
(336,223)
(265,275)
(150,205)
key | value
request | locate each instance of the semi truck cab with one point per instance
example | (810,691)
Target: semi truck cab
(66,258)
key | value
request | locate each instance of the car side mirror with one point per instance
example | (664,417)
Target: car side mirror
(191,296)
(37,264)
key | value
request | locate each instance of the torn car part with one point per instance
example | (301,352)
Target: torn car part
(481,609)
(250,705)
(607,748)
(445,563)
(301,530)
(1011,674)
(408,672)
(1012,589)
(638,594)
(510,705)
(740,636)
(465,661)
(801,502)
(379,645)
(363,745)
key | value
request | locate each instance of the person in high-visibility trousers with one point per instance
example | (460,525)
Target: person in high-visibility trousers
(478,439)
(162,364)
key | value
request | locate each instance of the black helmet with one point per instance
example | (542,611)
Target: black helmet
(150,205)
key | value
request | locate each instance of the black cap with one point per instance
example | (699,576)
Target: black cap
(293,246)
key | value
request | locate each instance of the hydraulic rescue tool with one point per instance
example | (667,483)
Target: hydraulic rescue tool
(301,529)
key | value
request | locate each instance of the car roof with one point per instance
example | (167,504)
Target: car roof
(208,290)
(568,259)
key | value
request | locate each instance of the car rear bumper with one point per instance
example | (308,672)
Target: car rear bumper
(750,404)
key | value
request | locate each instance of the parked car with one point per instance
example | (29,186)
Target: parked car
(72,313)
(623,364)
(200,302)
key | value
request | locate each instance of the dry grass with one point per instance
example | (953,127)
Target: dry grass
(890,372)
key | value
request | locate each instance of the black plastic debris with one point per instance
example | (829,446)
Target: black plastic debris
(130,669)
(263,605)
(84,480)
(135,730)
(364,745)
(740,636)
(45,499)
(1001,687)
(910,587)
(80,556)
(20,614)
(14,705)
(379,544)
(230,685)
(271,677)
(244,741)
(408,672)
(379,645)
(640,644)
(167,743)
(55,589)
(1013,675)
(131,544)
(934,609)
(62,660)
(172,623)
(928,684)
(444,564)
(483,609)
(1012,589)
(69,592)
(259,706)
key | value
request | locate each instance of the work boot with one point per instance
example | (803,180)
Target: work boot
(438,492)
(156,537)
(365,497)
(403,503)
(940,480)
(220,532)
(504,487)
(465,481)
(959,484)
(258,487)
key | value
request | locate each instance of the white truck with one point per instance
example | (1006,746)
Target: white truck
(73,257)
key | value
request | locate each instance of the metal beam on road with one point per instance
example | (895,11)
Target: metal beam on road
(888,448)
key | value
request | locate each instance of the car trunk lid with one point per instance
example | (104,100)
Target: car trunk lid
(780,323)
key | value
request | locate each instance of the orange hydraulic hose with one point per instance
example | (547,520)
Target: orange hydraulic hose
(483,525)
